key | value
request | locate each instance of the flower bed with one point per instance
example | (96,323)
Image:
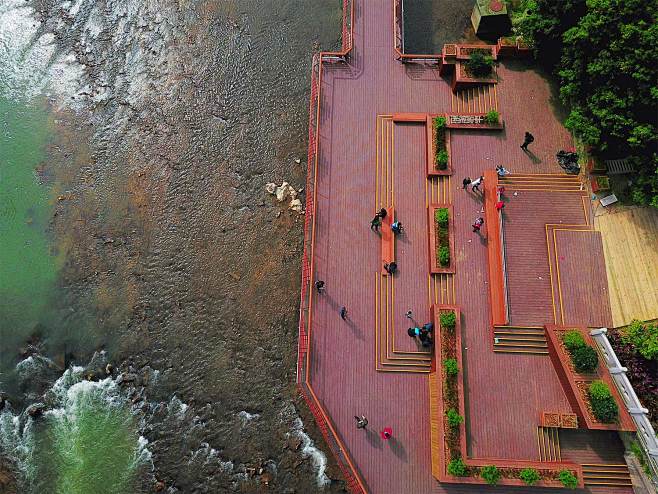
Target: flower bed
(577,385)
(438,146)
(449,461)
(441,238)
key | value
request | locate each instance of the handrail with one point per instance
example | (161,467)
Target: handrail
(398,38)
(354,483)
(638,413)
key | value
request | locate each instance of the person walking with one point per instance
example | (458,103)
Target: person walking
(478,224)
(319,286)
(343,313)
(386,433)
(361,422)
(529,138)
(382,213)
(466,182)
(391,267)
(408,314)
(375,223)
(475,184)
(396,227)
(502,171)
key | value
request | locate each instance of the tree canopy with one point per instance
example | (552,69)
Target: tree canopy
(605,56)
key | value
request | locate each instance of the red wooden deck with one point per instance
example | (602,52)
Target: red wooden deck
(366,162)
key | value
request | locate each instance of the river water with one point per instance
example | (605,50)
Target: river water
(148,283)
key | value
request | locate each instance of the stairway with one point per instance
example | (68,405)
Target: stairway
(602,475)
(545,182)
(514,339)
(548,441)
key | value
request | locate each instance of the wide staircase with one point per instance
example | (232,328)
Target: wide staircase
(515,339)
(606,475)
(541,182)
(548,441)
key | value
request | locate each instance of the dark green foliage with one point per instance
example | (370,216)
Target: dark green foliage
(603,403)
(451,367)
(440,122)
(441,216)
(454,419)
(530,476)
(444,255)
(441,154)
(457,467)
(448,320)
(442,159)
(604,54)
(568,479)
(585,359)
(490,474)
(572,339)
(492,117)
(644,337)
(480,63)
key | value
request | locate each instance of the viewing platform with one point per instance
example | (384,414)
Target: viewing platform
(373,144)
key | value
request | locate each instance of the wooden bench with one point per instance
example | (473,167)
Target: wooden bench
(388,239)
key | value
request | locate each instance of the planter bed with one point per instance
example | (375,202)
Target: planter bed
(431,133)
(447,392)
(464,51)
(436,240)
(472,121)
(575,384)
(600,183)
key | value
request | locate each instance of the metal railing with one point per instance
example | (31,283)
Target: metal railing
(348,469)
(639,414)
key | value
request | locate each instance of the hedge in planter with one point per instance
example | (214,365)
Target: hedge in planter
(584,357)
(490,474)
(448,320)
(441,216)
(492,117)
(451,367)
(440,151)
(457,467)
(604,406)
(480,63)
(568,479)
(530,476)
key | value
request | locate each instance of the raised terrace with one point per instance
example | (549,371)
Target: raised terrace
(379,119)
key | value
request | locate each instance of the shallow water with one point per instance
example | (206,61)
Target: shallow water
(165,120)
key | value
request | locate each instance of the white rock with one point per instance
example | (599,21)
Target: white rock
(296,205)
(298,161)
(270,187)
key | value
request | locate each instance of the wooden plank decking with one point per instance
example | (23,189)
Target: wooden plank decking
(367,161)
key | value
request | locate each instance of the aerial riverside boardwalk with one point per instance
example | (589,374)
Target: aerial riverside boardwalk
(367,364)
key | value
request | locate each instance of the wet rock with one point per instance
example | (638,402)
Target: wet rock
(126,377)
(159,486)
(36,410)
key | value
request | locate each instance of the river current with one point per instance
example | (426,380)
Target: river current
(148,283)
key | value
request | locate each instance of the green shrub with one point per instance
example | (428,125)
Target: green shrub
(440,122)
(451,367)
(572,339)
(490,474)
(644,337)
(480,63)
(457,468)
(441,216)
(454,419)
(448,320)
(604,406)
(568,479)
(492,117)
(530,476)
(444,255)
(585,359)
(441,158)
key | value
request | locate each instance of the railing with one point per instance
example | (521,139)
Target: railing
(638,413)
(398,39)
(347,468)
(503,254)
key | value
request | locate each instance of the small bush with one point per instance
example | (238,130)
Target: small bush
(585,359)
(442,158)
(604,406)
(440,122)
(480,63)
(457,468)
(441,216)
(568,479)
(454,419)
(572,339)
(444,255)
(492,117)
(490,474)
(448,320)
(644,337)
(450,365)
(530,476)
